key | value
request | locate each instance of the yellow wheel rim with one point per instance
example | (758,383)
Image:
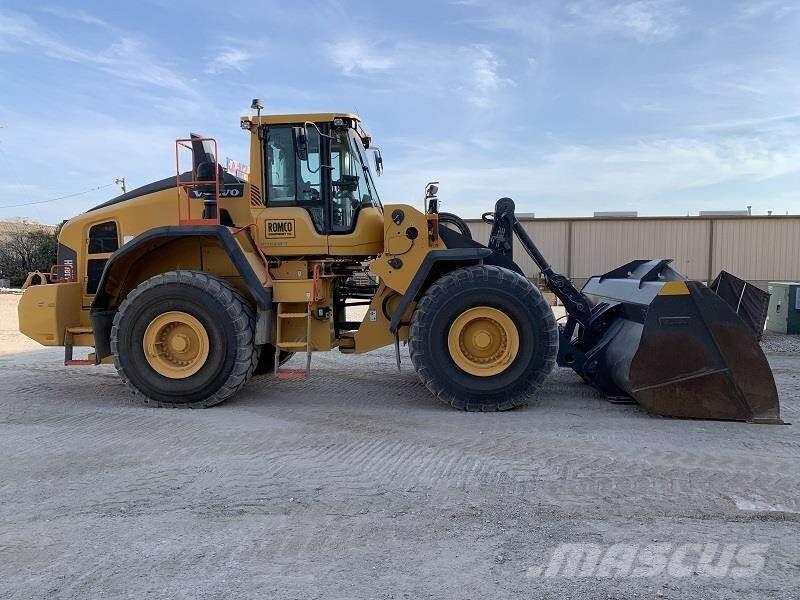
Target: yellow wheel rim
(483,341)
(176,345)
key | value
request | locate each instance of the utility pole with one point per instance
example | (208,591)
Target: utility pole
(121,183)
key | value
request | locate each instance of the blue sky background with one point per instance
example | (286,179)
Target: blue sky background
(660,106)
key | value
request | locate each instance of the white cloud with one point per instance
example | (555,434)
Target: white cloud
(434,70)
(652,175)
(642,20)
(748,123)
(21,31)
(127,59)
(775,9)
(18,188)
(532,21)
(130,60)
(354,57)
(229,59)
(100,148)
(75,14)
(486,77)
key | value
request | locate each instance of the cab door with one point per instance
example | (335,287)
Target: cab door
(356,211)
(294,222)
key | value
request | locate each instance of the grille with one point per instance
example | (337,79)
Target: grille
(255,196)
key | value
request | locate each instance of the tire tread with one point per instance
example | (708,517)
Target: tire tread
(474,276)
(242,319)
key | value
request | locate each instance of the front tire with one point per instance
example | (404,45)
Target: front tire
(184,339)
(483,338)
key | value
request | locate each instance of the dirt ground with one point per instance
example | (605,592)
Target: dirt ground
(10,338)
(356,483)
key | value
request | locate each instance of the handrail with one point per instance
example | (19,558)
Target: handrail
(189,186)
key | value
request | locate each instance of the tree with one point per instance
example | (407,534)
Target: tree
(24,250)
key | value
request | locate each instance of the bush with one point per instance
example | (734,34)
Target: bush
(26,250)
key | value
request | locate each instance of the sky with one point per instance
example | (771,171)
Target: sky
(665,107)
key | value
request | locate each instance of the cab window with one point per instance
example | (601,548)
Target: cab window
(292,182)
(103,238)
(351,180)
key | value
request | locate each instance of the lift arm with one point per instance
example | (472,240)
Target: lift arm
(504,226)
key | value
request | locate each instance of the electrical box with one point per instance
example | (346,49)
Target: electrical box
(784,307)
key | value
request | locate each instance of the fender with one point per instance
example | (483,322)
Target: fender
(457,257)
(103,308)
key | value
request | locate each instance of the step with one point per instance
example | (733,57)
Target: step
(293,315)
(291,374)
(73,362)
(347,344)
(79,330)
(287,345)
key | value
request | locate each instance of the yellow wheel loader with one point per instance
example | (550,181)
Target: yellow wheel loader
(192,284)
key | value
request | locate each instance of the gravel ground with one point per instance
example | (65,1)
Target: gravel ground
(775,342)
(355,483)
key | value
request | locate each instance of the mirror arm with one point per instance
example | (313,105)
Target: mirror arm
(314,125)
(305,135)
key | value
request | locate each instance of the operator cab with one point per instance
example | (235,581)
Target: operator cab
(320,190)
(352,185)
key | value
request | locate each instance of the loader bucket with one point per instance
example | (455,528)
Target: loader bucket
(674,346)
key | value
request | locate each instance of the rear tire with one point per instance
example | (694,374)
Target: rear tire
(212,309)
(501,298)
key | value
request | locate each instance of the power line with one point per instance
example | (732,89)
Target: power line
(94,189)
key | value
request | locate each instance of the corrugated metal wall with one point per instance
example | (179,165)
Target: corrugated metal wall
(601,246)
(552,238)
(759,249)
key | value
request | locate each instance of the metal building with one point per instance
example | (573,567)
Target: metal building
(756,248)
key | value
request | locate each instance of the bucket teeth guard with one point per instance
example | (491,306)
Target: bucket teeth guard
(673,345)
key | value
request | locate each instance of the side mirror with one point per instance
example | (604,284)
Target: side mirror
(431,202)
(376,155)
(300,135)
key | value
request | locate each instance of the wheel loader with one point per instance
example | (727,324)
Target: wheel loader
(192,284)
